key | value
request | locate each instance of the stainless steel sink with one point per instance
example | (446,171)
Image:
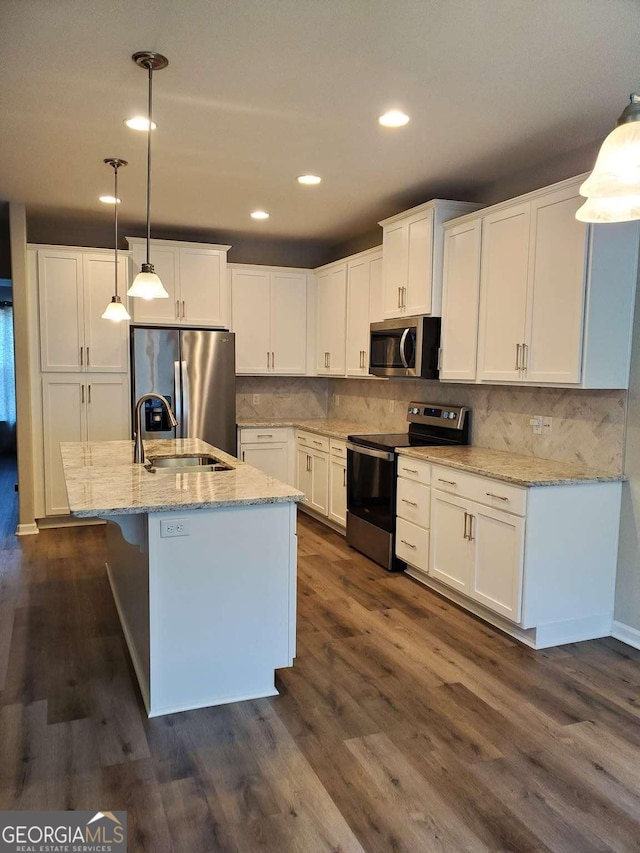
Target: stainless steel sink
(186,464)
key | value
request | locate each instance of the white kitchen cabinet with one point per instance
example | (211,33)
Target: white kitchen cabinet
(269,318)
(74,288)
(195,277)
(497,544)
(413,500)
(460,300)
(312,470)
(412,246)
(79,407)
(338,482)
(364,285)
(268,449)
(331,320)
(450,560)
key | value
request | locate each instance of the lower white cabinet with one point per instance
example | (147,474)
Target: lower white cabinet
(338,482)
(321,466)
(313,478)
(79,407)
(268,449)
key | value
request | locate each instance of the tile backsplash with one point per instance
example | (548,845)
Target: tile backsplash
(281,397)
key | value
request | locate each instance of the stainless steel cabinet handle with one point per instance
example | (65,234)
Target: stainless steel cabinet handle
(466,516)
(399,297)
(408,544)
(471,536)
(319,443)
(268,365)
(243,455)
(89,392)
(439,364)
(344,477)
(264,435)
(498,497)
(525,356)
(273,360)
(410,470)
(411,503)
(88,360)
(81,356)
(309,462)
(177,310)
(329,360)
(183,309)
(449,482)
(83,393)
(517,356)
(404,297)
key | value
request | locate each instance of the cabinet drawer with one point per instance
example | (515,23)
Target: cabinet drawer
(484,490)
(263,435)
(412,544)
(414,469)
(413,502)
(338,449)
(313,441)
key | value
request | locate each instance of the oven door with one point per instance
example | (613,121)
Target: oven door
(393,350)
(371,485)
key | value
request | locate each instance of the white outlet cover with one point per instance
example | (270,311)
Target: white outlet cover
(174,527)
(256,399)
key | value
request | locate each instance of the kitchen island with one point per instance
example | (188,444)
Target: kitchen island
(202,566)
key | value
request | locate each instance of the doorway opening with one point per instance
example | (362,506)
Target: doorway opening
(8,452)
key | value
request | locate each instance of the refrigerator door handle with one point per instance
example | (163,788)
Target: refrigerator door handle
(177,397)
(184,433)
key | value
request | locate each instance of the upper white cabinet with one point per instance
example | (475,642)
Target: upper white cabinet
(269,317)
(331,319)
(554,297)
(195,277)
(364,295)
(74,288)
(412,246)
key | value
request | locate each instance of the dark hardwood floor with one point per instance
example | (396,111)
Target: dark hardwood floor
(405,725)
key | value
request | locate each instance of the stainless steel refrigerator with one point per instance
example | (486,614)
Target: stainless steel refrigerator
(195,369)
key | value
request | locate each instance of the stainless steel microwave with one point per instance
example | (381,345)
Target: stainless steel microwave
(408,346)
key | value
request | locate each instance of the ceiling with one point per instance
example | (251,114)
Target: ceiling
(260,91)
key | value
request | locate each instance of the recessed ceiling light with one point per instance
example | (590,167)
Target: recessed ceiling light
(140,123)
(309,179)
(394,118)
(259,214)
(109,199)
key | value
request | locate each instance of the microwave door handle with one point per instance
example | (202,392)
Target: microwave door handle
(403,340)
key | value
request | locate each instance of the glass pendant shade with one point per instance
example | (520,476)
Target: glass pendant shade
(147,285)
(616,209)
(617,169)
(116,311)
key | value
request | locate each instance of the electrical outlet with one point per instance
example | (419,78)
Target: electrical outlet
(256,399)
(337,399)
(547,426)
(536,423)
(174,527)
(392,405)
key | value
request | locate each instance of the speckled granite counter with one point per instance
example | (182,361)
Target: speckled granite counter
(103,481)
(321,426)
(510,467)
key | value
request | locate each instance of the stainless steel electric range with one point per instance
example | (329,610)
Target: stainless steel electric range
(371,475)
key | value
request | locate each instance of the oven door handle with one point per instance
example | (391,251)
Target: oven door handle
(403,340)
(369,451)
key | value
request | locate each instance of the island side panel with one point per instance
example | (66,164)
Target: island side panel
(128,571)
(219,604)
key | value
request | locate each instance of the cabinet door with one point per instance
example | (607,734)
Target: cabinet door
(105,341)
(63,419)
(273,459)
(496,573)
(288,323)
(61,310)
(460,301)
(357,359)
(503,292)
(332,321)
(338,491)
(250,298)
(304,473)
(376,311)
(450,551)
(394,268)
(555,307)
(108,407)
(417,298)
(165,260)
(320,482)
(203,282)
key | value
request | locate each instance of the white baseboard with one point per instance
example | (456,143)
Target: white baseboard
(27,529)
(626,634)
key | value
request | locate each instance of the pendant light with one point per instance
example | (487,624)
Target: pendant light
(115,310)
(147,284)
(613,187)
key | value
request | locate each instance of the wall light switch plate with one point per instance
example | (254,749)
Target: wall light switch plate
(536,423)
(256,399)
(174,527)
(547,425)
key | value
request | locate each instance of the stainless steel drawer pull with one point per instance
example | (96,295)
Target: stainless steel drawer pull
(411,503)
(410,470)
(183,309)
(273,360)
(344,478)
(89,392)
(408,544)
(448,482)
(177,309)
(518,357)
(319,443)
(81,356)
(88,360)
(264,435)
(498,497)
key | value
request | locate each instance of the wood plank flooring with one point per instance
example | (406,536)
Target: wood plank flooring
(406,725)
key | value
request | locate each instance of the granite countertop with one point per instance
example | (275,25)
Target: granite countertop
(331,427)
(511,467)
(102,480)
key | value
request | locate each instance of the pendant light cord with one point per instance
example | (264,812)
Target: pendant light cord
(115,169)
(149,164)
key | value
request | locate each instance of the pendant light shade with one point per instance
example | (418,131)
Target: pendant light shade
(147,284)
(613,187)
(115,310)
